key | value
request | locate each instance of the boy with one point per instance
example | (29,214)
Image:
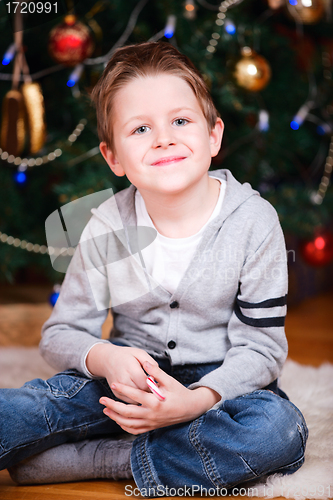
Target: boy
(201,309)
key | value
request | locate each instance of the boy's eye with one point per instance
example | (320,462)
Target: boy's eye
(140,130)
(181,121)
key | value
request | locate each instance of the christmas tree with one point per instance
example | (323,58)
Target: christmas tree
(268,65)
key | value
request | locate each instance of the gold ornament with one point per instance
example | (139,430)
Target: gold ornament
(23,115)
(34,103)
(252,71)
(306,11)
(23,108)
(13,128)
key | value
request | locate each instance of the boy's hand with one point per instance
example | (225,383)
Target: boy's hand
(180,404)
(121,366)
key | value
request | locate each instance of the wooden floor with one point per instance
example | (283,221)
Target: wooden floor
(309,330)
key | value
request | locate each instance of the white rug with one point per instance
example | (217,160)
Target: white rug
(310,389)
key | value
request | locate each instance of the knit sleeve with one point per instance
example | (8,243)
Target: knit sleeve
(256,327)
(76,320)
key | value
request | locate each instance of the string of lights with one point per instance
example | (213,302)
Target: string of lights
(318,197)
(35,247)
(210,6)
(220,21)
(23,163)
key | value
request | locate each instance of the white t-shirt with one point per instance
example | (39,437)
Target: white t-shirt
(167,259)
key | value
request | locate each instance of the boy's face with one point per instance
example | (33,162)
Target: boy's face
(161,137)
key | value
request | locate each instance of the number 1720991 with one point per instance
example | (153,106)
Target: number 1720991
(32,7)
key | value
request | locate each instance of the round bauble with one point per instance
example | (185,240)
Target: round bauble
(252,71)
(319,250)
(70,42)
(306,11)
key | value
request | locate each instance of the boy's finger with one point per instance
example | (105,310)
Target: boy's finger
(126,411)
(156,372)
(131,392)
(123,421)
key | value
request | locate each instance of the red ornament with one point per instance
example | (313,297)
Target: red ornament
(70,42)
(319,251)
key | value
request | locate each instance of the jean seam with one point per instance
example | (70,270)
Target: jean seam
(248,466)
(85,424)
(69,394)
(299,428)
(83,431)
(297,463)
(203,454)
(145,462)
(47,421)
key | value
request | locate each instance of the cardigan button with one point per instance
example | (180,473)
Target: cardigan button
(171,344)
(174,304)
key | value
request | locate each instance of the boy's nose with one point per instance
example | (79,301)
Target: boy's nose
(164,138)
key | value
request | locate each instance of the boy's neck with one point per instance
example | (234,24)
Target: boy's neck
(183,214)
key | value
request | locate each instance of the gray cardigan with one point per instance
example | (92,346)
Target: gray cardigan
(229,306)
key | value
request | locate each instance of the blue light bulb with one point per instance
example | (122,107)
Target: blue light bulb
(168,34)
(75,75)
(9,55)
(293,2)
(20,177)
(230,28)
(53,298)
(170,27)
(294,125)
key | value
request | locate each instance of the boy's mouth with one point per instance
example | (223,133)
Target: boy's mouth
(167,160)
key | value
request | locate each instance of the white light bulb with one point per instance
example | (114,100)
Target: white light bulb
(251,69)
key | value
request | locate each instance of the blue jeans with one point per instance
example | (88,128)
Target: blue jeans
(246,438)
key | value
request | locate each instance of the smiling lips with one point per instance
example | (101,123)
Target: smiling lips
(166,161)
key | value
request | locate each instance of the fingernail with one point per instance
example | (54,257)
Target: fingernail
(102,401)
(148,365)
(113,386)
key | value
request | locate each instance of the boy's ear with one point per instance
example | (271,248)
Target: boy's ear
(216,137)
(111,160)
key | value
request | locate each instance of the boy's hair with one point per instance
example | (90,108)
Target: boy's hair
(141,60)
